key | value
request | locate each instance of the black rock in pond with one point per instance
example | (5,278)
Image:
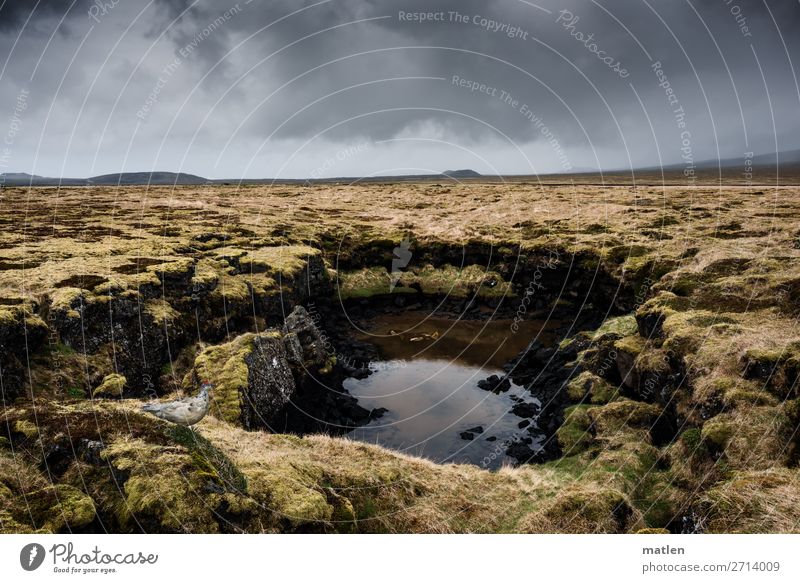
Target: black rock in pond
(360,373)
(378,413)
(526,410)
(492,438)
(495,384)
(523,424)
(470,434)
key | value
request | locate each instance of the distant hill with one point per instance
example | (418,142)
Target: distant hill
(122,178)
(24,179)
(159,178)
(19,176)
(461,174)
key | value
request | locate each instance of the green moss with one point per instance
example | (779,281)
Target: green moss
(65,300)
(232,289)
(578,388)
(344,514)
(75,392)
(75,509)
(162,487)
(224,366)
(262,284)
(287,260)
(62,349)
(717,431)
(26,428)
(653,361)
(111,287)
(160,311)
(56,508)
(624,413)
(739,297)
(293,492)
(692,438)
(173,269)
(619,326)
(445,280)
(589,385)
(472,279)
(211,462)
(633,344)
(207,273)
(624,253)
(738,396)
(328,365)
(574,435)
(368,282)
(588,509)
(112,386)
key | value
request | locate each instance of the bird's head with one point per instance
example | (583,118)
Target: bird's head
(205,386)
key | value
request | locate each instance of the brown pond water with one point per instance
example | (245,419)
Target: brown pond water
(428,380)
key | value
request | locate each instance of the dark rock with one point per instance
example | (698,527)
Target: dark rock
(470,434)
(650,324)
(544,354)
(525,410)
(139,340)
(378,413)
(302,325)
(92,450)
(691,524)
(627,370)
(57,457)
(360,373)
(524,453)
(523,424)
(495,384)
(294,350)
(270,386)
(491,438)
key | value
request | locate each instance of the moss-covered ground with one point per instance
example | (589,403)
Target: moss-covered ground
(685,410)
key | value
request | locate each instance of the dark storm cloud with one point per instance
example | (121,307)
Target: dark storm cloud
(14,13)
(573,89)
(352,70)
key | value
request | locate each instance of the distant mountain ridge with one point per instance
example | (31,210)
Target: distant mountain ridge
(773,159)
(787,160)
(122,178)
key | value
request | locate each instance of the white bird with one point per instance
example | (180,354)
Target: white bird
(186,411)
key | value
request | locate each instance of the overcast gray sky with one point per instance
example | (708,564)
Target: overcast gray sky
(288,88)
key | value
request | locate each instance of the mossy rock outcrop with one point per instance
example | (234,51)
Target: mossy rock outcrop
(256,376)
